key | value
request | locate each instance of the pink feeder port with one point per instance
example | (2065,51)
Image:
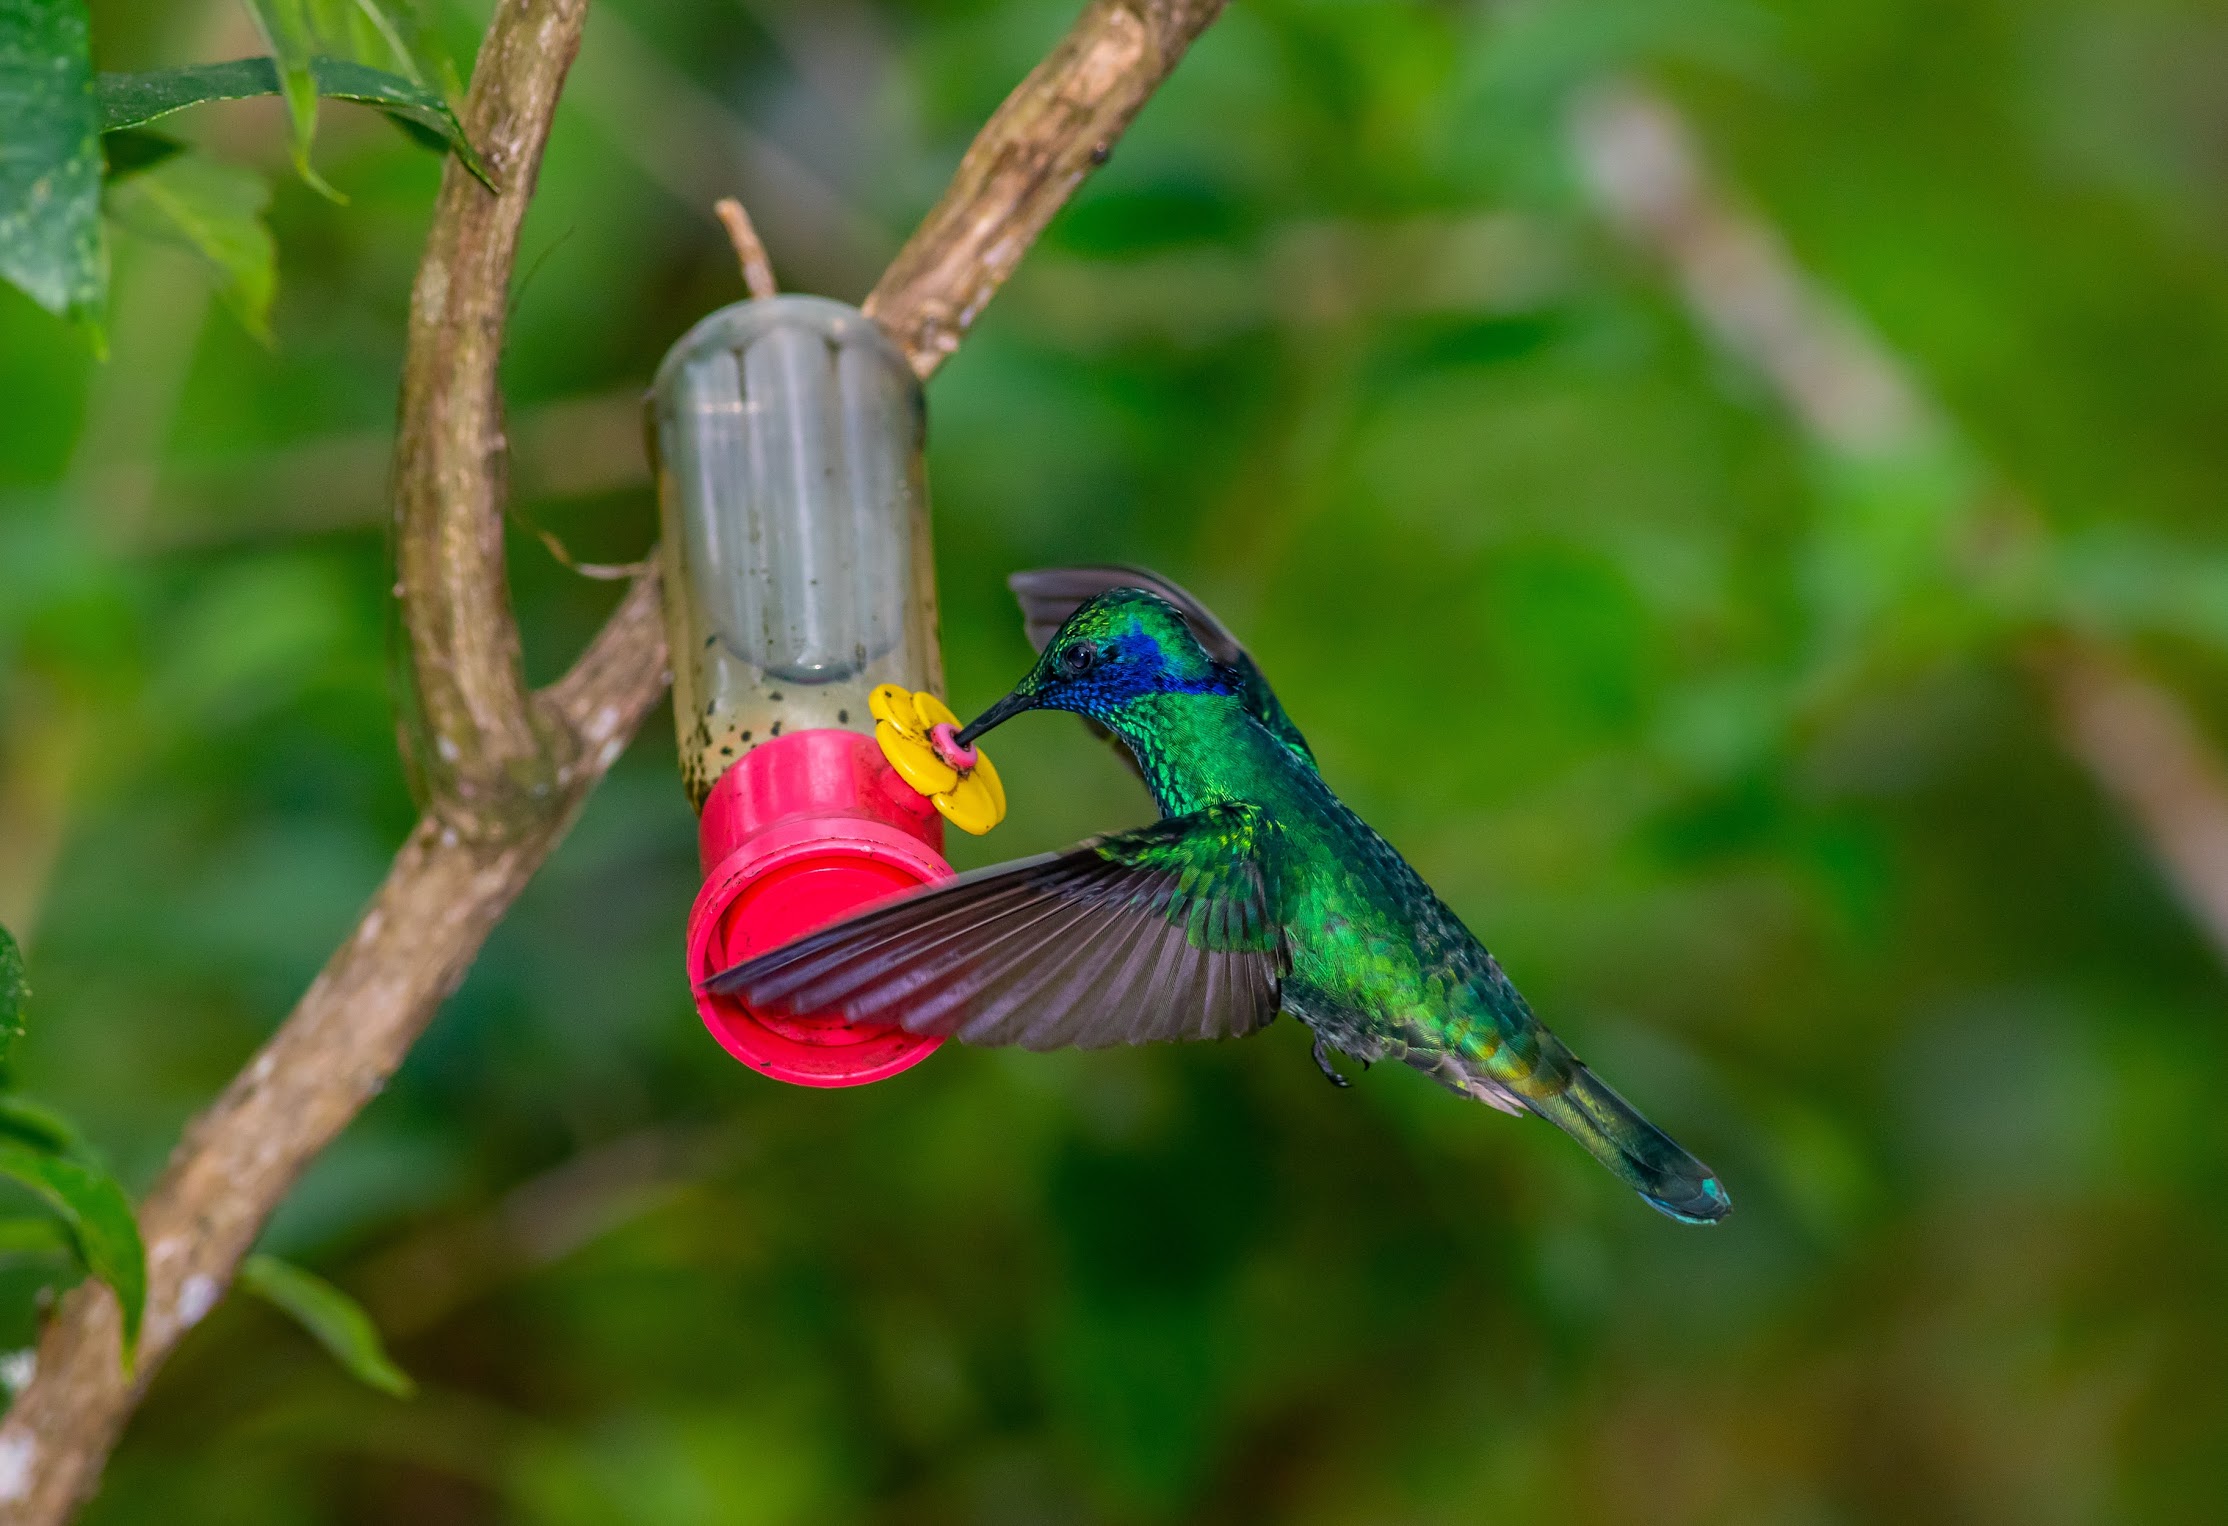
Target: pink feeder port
(944,737)
(802,831)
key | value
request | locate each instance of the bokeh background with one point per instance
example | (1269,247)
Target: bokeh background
(1719,706)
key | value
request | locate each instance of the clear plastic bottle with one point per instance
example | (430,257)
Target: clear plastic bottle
(788,433)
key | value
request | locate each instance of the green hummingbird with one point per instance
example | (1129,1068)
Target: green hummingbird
(1257,892)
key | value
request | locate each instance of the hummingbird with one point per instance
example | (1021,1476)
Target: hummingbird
(1257,892)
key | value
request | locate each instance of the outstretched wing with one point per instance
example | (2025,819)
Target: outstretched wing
(1049,595)
(1170,932)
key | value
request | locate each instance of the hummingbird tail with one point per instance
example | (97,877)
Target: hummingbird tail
(1641,1155)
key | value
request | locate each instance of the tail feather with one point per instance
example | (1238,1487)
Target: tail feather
(1641,1155)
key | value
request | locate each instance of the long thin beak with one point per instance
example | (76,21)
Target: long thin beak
(1005,710)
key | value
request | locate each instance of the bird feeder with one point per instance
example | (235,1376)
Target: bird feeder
(787,433)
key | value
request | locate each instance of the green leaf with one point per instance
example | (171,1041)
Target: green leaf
(395,34)
(129,100)
(130,150)
(338,1321)
(36,1235)
(14,990)
(285,27)
(100,1219)
(216,211)
(307,35)
(40,1127)
(50,157)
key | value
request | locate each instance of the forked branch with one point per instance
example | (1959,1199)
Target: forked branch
(503,770)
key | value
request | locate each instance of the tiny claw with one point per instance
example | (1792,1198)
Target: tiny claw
(1323,1063)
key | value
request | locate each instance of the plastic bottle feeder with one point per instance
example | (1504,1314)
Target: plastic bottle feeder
(801,608)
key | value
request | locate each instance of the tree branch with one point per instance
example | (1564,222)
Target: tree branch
(503,771)
(1058,125)
(482,757)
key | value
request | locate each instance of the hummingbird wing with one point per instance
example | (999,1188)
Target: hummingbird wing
(1048,595)
(1169,932)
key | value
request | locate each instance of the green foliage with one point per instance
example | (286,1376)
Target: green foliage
(42,1151)
(65,131)
(337,1321)
(1726,748)
(15,989)
(24,1236)
(40,1128)
(215,211)
(128,150)
(302,33)
(100,1222)
(50,157)
(286,27)
(131,100)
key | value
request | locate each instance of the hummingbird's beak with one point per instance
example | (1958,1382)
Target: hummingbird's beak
(1005,710)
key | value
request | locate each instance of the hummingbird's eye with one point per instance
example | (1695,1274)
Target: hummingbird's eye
(1079,659)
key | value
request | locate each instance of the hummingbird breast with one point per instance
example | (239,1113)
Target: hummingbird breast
(1380,966)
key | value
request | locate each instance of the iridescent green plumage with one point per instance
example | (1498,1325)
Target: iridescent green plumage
(1258,891)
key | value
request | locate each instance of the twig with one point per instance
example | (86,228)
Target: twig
(1856,398)
(503,769)
(1056,127)
(758,271)
(691,143)
(2145,749)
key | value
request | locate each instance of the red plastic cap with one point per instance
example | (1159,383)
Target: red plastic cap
(803,830)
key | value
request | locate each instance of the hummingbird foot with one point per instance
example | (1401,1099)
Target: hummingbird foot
(1323,1063)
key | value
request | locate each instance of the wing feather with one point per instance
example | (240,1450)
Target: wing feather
(1168,932)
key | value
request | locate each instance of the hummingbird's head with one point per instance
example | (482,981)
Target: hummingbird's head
(1123,646)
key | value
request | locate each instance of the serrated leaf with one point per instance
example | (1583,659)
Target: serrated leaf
(15,989)
(50,157)
(100,1221)
(216,211)
(129,100)
(29,1235)
(339,1323)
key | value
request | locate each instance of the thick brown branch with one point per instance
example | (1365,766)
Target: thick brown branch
(1051,132)
(443,895)
(482,757)
(243,1154)
(506,770)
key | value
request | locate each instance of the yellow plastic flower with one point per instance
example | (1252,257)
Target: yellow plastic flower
(917,733)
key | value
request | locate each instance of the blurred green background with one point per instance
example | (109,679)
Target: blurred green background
(1693,717)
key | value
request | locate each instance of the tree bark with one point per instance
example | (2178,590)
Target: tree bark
(1056,127)
(501,771)
(481,752)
